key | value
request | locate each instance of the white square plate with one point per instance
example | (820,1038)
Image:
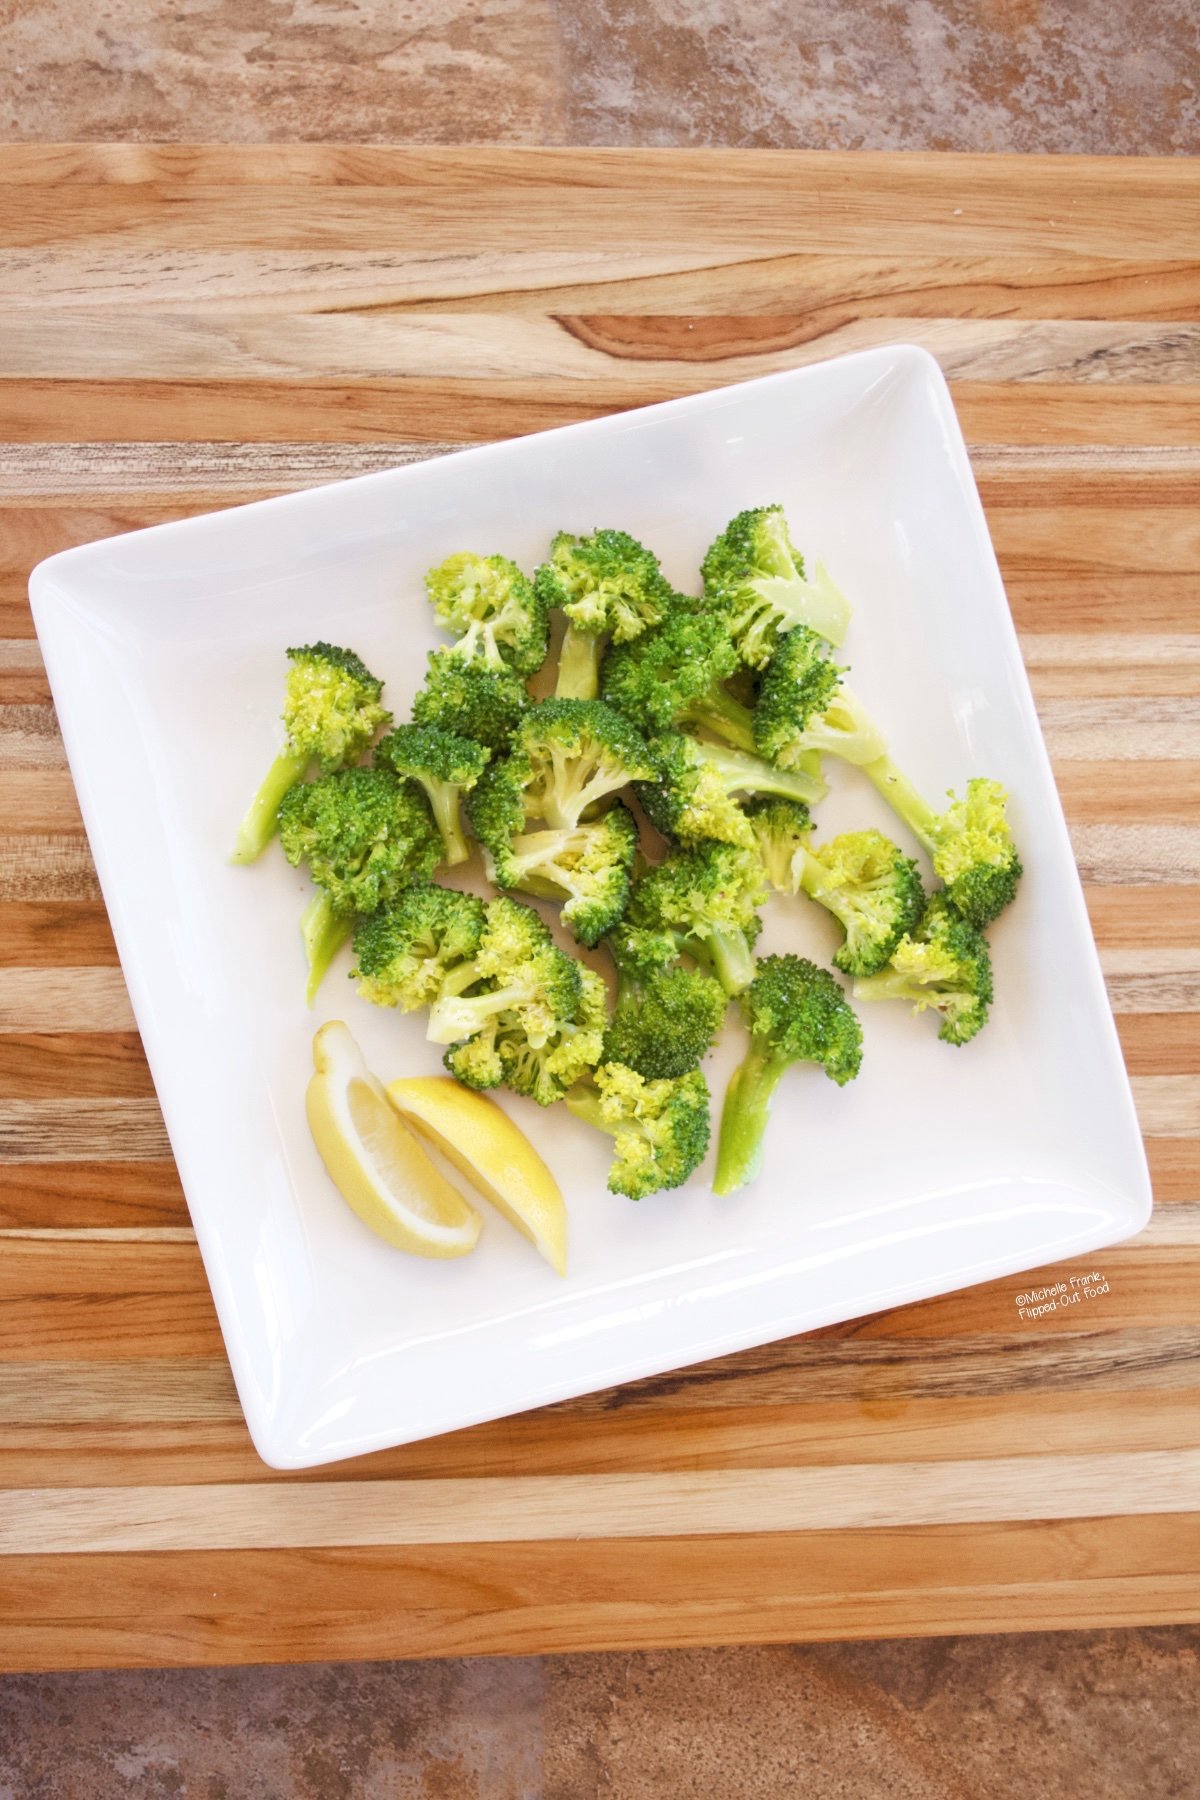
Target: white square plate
(936,1168)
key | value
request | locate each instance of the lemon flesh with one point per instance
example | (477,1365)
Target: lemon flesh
(482,1142)
(377,1165)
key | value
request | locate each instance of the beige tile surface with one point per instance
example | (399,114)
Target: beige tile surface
(1099,1715)
(1016,75)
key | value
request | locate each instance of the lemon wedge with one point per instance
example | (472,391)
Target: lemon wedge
(482,1142)
(375,1162)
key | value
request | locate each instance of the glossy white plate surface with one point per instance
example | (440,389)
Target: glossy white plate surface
(936,1168)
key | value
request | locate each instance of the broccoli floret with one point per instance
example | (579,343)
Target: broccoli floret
(610,587)
(674,675)
(572,1049)
(331,712)
(406,950)
(568,758)
(446,766)
(660,1128)
(365,834)
(493,607)
(862,878)
(804,706)
(702,903)
(470,699)
(872,889)
(584,867)
(692,797)
(665,1020)
(781,830)
(517,981)
(753,571)
(796,1013)
(970,843)
(943,963)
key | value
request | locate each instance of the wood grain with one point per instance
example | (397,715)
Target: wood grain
(187,328)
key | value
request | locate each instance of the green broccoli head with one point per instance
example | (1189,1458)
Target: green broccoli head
(518,980)
(942,963)
(470,699)
(570,757)
(331,707)
(796,1013)
(476,1061)
(688,799)
(974,854)
(673,675)
(781,831)
(406,951)
(692,798)
(364,833)
(666,1020)
(499,618)
(872,889)
(446,766)
(704,903)
(331,712)
(970,842)
(573,1048)
(660,1129)
(605,582)
(803,705)
(755,573)
(585,868)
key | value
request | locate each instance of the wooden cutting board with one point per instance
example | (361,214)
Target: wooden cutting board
(184,329)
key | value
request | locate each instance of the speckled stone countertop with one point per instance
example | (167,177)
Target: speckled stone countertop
(1105,1715)
(1011,75)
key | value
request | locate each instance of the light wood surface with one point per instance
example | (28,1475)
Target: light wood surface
(182,329)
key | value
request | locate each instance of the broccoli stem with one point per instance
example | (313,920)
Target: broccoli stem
(903,798)
(750,775)
(744,1119)
(324,931)
(578,665)
(890,986)
(725,953)
(259,825)
(726,717)
(584,1102)
(461,1016)
(445,803)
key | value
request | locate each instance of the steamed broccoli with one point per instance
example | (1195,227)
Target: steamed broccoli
(702,903)
(470,699)
(365,834)
(872,889)
(405,951)
(517,982)
(568,758)
(796,1013)
(574,1047)
(665,1020)
(499,619)
(610,587)
(674,675)
(970,843)
(660,1128)
(331,712)
(944,964)
(755,574)
(803,705)
(584,867)
(692,797)
(446,766)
